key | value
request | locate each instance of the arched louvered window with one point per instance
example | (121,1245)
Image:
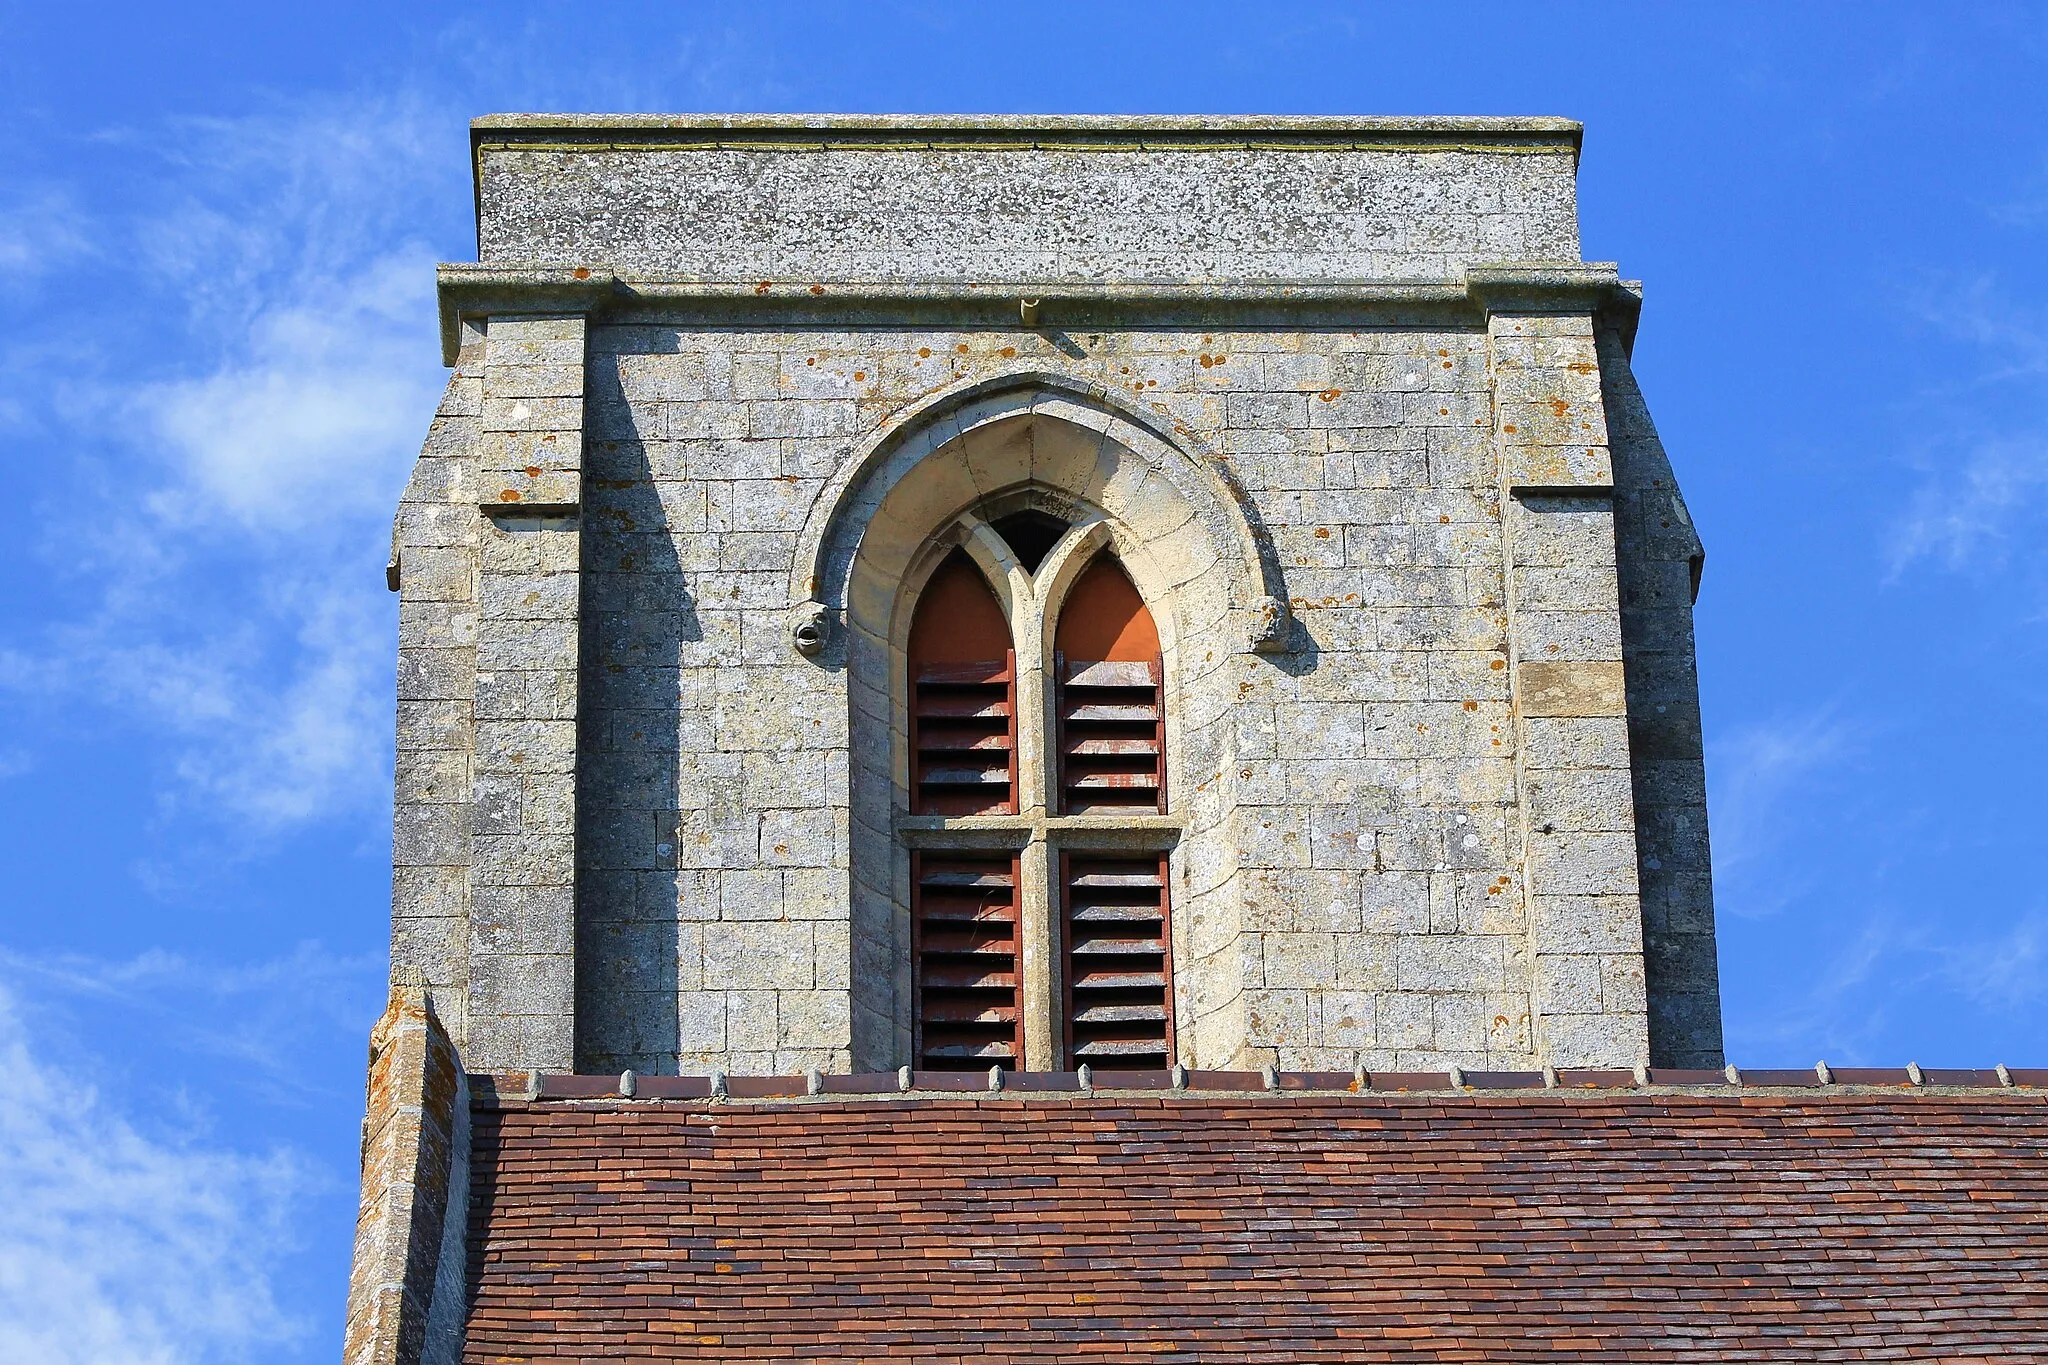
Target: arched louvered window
(963,744)
(1055,876)
(963,705)
(1109,703)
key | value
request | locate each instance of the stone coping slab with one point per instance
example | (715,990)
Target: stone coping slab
(1547,132)
(492,1090)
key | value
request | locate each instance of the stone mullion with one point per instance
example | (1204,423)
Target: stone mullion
(1039,994)
(1581,897)
(523,874)
(1037,867)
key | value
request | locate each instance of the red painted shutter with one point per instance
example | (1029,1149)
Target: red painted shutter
(965,951)
(1108,698)
(1118,967)
(963,729)
(963,703)
(1112,751)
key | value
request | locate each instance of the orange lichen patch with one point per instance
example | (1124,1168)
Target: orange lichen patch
(509,495)
(762,287)
(810,360)
(1330,395)
(1498,664)
(1443,412)
(924,352)
(1471,706)
(1558,407)
(963,348)
(1582,367)
(817,289)
(1008,353)
(1509,428)
(1322,533)
(859,375)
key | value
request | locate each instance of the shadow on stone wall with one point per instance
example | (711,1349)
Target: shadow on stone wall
(1658,558)
(638,616)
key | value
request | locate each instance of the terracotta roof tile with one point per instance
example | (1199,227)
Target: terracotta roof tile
(1498,1225)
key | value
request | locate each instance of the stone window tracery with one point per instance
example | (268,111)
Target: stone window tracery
(1037,830)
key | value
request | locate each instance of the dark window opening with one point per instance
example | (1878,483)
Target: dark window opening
(1030,536)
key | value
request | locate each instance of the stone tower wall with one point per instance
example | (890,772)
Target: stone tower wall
(1446,804)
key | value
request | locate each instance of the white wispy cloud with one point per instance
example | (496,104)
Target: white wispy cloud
(39,233)
(264,1016)
(1984,487)
(119,1248)
(231,550)
(2006,971)
(1852,997)
(314,415)
(1972,513)
(1768,779)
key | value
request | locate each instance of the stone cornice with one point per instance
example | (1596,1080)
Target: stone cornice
(1080,132)
(469,290)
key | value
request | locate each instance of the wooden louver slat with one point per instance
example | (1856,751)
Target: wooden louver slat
(1116,960)
(964,925)
(963,736)
(1112,735)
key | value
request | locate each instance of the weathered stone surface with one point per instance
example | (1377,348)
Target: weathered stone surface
(1577,688)
(1038,199)
(406,1298)
(1455,818)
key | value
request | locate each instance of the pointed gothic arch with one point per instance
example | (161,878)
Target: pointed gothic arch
(1115,452)
(1160,564)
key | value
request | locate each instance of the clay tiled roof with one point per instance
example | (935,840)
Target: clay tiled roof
(1507,1225)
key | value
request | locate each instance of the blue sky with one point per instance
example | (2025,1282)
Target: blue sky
(217,231)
